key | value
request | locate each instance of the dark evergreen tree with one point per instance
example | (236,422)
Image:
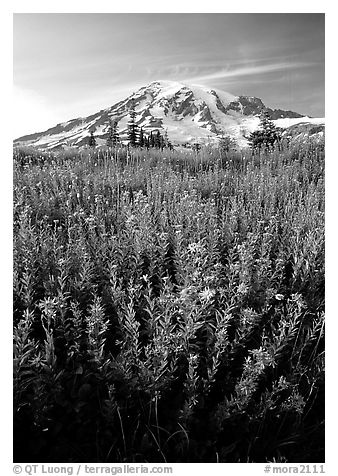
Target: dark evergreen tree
(255,141)
(152,139)
(158,140)
(115,137)
(226,143)
(268,130)
(162,142)
(141,140)
(165,142)
(109,142)
(92,140)
(196,147)
(268,135)
(166,138)
(132,127)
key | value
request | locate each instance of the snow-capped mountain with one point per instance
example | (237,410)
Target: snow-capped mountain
(189,113)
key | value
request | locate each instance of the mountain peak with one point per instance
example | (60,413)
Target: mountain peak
(189,113)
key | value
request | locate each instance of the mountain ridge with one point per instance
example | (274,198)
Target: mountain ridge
(188,112)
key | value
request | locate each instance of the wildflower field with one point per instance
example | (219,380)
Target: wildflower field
(169,307)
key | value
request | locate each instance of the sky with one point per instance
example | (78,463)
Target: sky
(68,65)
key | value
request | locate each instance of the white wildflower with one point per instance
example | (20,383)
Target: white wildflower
(207,294)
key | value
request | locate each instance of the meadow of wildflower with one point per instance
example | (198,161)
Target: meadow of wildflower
(169,306)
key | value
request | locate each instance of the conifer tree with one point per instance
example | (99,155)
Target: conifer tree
(158,139)
(109,142)
(269,130)
(92,140)
(162,143)
(165,138)
(267,136)
(116,137)
(255,141)
(132,127)
(196,147)
(113,135)
(141,138)
(226,143)
(152,139)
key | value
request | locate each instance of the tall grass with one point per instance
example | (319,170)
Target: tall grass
(169,306)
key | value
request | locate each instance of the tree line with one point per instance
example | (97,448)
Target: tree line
(266,138)
(135,134)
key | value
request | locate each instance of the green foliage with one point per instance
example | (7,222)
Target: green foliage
(113,135)
(196,147)
(137,137)
(267,136)
(132,126)
(226,143)
(142,139)
(169,307)
(92,139)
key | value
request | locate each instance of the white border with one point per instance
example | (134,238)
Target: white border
(7,115)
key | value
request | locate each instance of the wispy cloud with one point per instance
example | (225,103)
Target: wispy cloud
(89,61)
(250,70)
(204,69)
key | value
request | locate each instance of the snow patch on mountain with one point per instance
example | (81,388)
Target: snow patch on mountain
(189,113)
(288,122)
